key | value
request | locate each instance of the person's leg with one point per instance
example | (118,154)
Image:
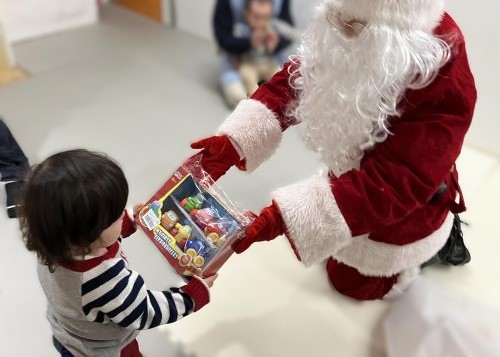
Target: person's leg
(231,84)
(13,166)
(234,93)
(270,68)
(348,281)
(13,162)
(250,75)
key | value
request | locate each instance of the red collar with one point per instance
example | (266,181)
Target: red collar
(85,265)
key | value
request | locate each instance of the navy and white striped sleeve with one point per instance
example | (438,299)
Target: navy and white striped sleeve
(112,292)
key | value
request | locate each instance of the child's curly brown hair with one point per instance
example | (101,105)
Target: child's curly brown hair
(68,201)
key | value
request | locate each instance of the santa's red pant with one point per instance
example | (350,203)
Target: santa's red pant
(348,281)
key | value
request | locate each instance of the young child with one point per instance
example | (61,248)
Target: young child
(73,217)
(259,64)
(252,43)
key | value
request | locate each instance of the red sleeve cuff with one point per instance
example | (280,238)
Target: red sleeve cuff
(198,291)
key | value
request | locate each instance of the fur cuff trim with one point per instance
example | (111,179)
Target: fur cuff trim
(381,259)
(255,129)
(314,222)
(422,15)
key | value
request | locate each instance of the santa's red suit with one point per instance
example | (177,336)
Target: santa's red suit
(388,124)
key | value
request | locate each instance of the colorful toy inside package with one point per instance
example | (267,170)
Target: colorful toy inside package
(192,222)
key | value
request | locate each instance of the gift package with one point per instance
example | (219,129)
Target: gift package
(192,221)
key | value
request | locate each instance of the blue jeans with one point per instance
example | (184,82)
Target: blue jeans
(13,162)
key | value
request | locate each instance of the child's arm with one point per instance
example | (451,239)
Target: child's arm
(128,225)
(112,292)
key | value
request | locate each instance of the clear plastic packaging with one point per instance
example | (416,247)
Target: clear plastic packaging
(192,221)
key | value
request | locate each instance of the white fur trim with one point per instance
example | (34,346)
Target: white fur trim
(313,219)
(405,280)
(381,259)
(422,15)
(255,129)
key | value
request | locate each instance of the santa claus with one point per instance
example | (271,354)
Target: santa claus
(385,94)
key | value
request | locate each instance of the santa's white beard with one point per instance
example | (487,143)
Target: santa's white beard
(350,86)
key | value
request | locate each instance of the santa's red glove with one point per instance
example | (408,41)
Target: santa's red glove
(218,155)
(268,225)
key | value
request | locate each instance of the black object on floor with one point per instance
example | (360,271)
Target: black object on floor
(13,190)
(454,251)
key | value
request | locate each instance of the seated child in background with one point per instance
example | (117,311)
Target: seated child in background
(73,217)
(250,44)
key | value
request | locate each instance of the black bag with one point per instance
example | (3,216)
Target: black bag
(454,251)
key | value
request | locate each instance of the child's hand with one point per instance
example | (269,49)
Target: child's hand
(137,208)
(209,280)
(128,222)
(258,38)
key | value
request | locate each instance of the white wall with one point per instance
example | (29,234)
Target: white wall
(167,15)
(479,22)
(302,11)
(24,19)
(195,16)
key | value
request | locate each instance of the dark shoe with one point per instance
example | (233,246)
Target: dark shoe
(13,189)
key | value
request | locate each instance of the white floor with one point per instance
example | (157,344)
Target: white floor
(141,93)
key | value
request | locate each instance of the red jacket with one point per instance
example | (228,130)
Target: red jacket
(384,217)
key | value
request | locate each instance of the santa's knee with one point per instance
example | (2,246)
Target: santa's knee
(350,282)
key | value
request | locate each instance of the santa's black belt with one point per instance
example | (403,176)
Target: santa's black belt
(439,193)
